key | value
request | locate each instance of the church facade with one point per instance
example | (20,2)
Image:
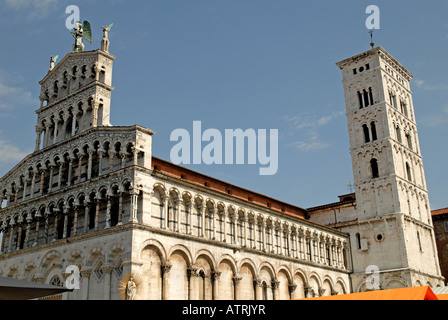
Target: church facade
(93,198)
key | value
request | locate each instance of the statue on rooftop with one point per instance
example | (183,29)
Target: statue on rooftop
(105,42)
(81,31)
(53,62)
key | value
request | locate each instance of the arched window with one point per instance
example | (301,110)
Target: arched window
(398,132)
(60,228)
(373,127)
(22,238)
(315,251)
(74,72)
(268,238)
(366,98)
(83,71)
(409,139)
(374,168)
(366,133)
(102,77)
(394,98)
(56,281)
(371,96)
(360,99)
(308,245)
(92,211)
(265,290)
(56,88)
(408,171)
(404,108)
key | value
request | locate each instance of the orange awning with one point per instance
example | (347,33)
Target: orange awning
(417,293)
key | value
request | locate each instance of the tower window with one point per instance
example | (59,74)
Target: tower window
(398,132)
(366,98)
(74,71)
(393,99)
(374,168)
(373,127)
(409,139)
(404,108)
(56,88)
(408,171)
(360,98)
(366,133)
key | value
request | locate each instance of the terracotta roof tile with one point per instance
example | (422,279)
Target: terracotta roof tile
(439,212)
(171,169)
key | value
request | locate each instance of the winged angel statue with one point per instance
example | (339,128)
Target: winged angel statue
(81,31)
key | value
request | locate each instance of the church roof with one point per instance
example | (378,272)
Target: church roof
(347,199)
(215,185)
(439,212)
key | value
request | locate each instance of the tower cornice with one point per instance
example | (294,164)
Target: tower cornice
(76,54)
(382,53)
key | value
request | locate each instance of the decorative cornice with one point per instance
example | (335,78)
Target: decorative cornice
(76,55)
(382,53)
(92,131)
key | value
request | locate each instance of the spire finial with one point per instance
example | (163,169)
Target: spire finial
(372,44)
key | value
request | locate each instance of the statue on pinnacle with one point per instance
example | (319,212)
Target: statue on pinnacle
(81,31)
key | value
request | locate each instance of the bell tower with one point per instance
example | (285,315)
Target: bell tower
(393,229)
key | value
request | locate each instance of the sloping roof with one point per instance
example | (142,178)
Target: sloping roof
(13,289)
(417,293)
(170,169)
(439,212)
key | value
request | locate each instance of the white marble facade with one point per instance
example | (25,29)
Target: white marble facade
(91,196)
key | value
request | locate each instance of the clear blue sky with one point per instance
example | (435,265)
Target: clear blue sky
(262,64)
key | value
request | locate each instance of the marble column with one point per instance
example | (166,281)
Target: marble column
(39,131)
(108,212)
(107,271)
(134,206)
(166,267)
(216,274)
(12,224)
